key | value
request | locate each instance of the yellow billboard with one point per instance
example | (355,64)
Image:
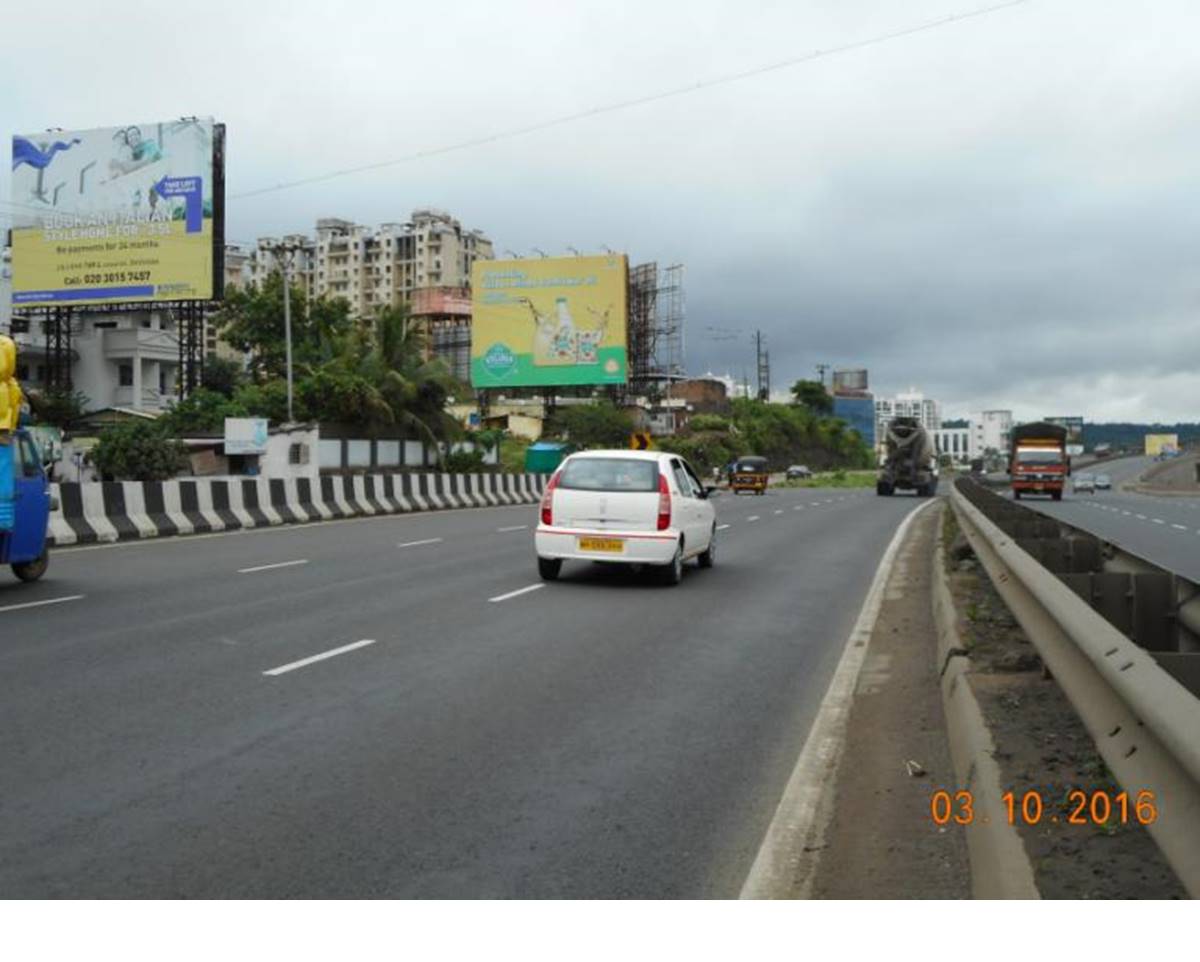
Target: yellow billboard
(1157,444)
(549,321)
(114,215)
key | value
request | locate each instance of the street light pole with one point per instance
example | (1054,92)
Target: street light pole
(283,256)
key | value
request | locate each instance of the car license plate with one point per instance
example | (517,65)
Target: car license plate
(610,545)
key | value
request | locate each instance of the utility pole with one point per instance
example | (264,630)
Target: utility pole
(763,362)
(821,369)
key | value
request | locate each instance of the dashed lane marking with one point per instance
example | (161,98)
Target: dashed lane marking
(513,527)
(752,517)
(722,527)
(519,591)
(272,567)
(413,544)
(39,604)
(313,659)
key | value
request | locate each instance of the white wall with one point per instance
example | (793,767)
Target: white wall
(275,463)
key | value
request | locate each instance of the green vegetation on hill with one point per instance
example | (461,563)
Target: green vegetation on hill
(784,434)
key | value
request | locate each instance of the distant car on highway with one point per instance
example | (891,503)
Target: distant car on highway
(1103,482)
(627,507)
(1083,482)
(798,471)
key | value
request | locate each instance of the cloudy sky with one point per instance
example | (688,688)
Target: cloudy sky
(1002,211)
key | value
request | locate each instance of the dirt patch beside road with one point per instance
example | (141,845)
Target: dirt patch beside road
(1043,747)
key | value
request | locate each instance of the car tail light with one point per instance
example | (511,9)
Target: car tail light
(548,499)
(664,503)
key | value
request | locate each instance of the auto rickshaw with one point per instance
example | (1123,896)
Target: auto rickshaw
(749,474)
(25,501)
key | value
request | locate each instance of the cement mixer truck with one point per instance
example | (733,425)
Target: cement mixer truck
(911,463)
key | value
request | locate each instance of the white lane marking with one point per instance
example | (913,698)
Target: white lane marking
(752,517)
(816,504)
(794,823)
(1158,520)
(798,507)
(1181,527)
(413,544)
(519,591)
(38,604)
(722,527)
(779,510)
(1126,513)
(1140,517)
(513,527)
(313,659)
(281,564)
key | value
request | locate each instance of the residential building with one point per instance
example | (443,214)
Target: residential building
(911,404)
(127,360)
(237,275)
(991,429)
(373,267)
(956,442)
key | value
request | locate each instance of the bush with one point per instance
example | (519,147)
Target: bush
(138,451)
(202,410)
(464,462)
(593,426)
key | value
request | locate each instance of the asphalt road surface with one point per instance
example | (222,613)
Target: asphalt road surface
(1164,530)
(168,729)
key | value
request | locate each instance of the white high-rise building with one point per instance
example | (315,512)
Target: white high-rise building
(991,429)
(907,404)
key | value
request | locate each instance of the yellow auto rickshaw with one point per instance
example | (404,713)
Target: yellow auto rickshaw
(749,474)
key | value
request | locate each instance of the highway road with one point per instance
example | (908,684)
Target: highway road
(396,706)
(1164,530)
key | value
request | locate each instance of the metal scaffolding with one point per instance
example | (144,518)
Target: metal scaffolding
(656,319)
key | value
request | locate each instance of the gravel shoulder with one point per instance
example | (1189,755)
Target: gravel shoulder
(880,842)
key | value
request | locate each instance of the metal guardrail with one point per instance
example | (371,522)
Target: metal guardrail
(1145,723)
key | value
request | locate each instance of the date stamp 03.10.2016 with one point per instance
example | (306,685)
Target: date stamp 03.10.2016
(1032,807)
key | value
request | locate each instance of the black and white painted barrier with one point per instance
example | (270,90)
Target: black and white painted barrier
(120,510)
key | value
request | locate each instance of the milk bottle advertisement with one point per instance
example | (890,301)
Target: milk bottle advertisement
(549,321)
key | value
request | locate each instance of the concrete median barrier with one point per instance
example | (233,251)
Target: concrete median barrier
(94,512)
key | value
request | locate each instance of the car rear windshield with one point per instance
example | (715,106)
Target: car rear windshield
(610,474)
(752,465)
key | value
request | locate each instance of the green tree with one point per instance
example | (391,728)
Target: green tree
(138,451)
(813,396)
(252,321)
(222,375)
(202,410)
(600,425)
(59,408)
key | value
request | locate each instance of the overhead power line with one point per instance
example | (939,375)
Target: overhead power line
(638,101)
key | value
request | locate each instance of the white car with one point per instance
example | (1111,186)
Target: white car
(629,507)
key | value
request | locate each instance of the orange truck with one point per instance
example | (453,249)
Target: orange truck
(1038,461)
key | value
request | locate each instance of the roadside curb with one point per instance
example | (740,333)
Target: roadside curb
(1000,866)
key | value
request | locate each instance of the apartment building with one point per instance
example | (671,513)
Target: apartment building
(991,429)
(373,267)
(911,404)
(237,275)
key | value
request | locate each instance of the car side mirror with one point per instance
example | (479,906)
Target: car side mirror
(710,490)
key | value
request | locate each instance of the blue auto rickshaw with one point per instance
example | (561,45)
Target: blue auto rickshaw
(24,507)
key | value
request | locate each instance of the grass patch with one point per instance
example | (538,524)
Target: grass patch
(512,455)
(833,479)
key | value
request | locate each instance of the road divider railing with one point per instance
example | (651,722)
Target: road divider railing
(125,510)
(1066,592)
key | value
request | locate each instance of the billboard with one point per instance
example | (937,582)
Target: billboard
(115,215)
(246,435)
(1074,426)
(1158,445)
(549,322)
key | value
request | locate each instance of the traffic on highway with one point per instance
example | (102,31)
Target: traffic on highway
(544,479)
